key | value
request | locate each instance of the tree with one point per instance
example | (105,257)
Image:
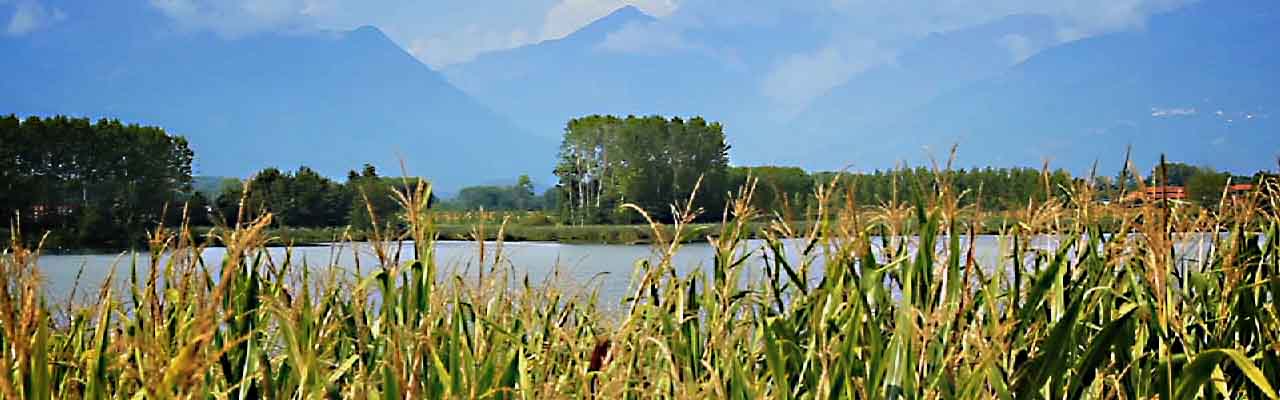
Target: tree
(101,181)
(1205,186)
(1176,174)
(523,193)
(653,162)
(779,190)
(368,191)
(519,196)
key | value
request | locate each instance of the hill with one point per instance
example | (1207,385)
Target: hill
(1197,83)
(543,85)
(329,100)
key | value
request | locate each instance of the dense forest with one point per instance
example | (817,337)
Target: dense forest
(105,183)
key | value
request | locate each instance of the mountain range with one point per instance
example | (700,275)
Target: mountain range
(542,86)
(329,100)
(1197,83)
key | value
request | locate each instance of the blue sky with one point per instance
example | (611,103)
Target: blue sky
(855,34)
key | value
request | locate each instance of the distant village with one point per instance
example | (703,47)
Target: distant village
(1233,192)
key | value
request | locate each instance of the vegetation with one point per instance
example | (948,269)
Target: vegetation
(519,196)
(651,162)
(101,184)
(1087,316)
(89,182)
(308,200)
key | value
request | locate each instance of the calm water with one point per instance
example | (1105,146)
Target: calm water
(575,268)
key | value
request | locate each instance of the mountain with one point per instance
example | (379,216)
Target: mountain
(1198,84)
(543,85)
(937,64)
(328,100)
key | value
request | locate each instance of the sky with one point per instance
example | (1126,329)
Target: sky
(855,35)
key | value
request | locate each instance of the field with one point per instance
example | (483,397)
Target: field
(1094,316)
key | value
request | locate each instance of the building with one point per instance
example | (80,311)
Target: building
(1239,189)
(1156,193)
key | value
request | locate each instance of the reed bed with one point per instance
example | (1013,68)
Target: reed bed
(1095,315)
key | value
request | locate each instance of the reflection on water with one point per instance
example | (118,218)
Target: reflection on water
(576,268)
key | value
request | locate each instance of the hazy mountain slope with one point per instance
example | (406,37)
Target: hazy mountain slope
(331,101)
(937,64)
(1160,89)
(542,86)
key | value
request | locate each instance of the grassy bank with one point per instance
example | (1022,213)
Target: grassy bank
(1097,316)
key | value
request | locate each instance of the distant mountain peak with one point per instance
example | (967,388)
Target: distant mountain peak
(628,11)
(368,31)
(614,21)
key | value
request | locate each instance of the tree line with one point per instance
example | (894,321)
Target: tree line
(105,182)
(791,190)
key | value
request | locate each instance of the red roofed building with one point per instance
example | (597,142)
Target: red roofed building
(1240,188)
(1157,193)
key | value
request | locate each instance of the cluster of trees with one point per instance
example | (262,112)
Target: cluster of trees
(652,162)
(90,183)
(307,199)
(518,197)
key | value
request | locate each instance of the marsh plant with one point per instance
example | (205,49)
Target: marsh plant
(1091,315)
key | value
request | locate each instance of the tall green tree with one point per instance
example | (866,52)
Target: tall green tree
(653,162)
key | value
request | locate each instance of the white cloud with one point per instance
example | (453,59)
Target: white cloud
(30,15)
(445,32)
(1172,112)
(234,18)
(465,45)
(645,38)
(439,33)
(799,78)
(894,24)
(1020,47)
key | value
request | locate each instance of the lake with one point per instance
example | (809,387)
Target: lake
(573,267)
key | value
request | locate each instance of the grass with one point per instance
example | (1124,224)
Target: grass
(1094,316)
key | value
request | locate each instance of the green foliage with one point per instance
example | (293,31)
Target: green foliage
(1205,187)
(519,196)
(306,199)
(789,191)
(1176,174)
(373,198)
(91,183)
(651,162)
(784,190)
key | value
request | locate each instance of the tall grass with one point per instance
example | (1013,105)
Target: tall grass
(1092,315)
